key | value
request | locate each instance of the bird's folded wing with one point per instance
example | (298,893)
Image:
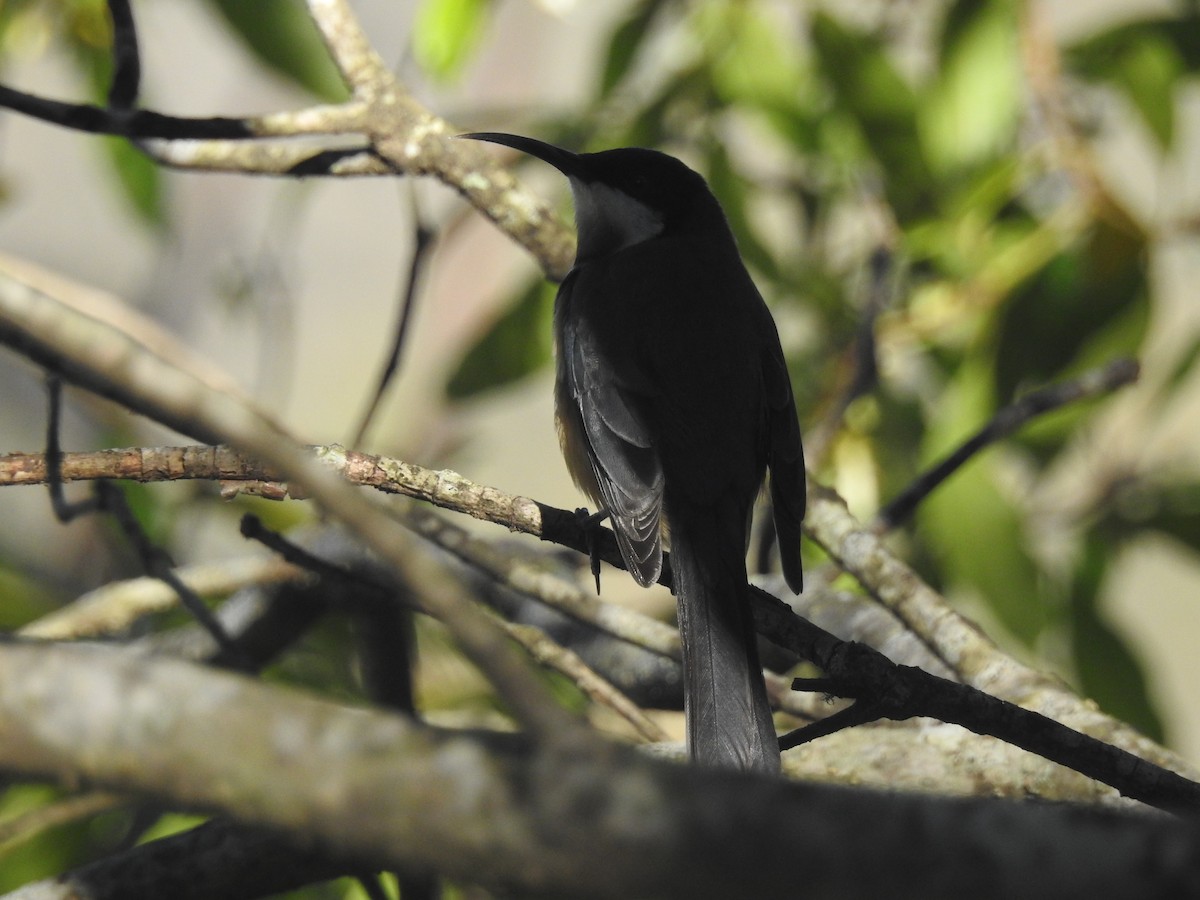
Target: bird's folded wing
(623,459)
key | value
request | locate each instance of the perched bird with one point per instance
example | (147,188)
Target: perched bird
(672,398)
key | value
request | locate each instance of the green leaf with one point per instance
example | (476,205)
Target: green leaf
(1108,671)
(38,853)
(1144,59)
(970,111)
(1175,512)
(751,61)
(446,33)
(1090,303)
(1148,72)
(141,179)
(869,89)
(625,43)
(22,597)
(1096,57)
(517,344)
(282,36)
(974,533)
(89,35)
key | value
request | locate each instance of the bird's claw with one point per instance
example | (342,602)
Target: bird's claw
(589,522)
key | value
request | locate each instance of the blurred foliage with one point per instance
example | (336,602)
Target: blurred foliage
(828,132)
(446,33)
(283,38)
(513,346)
(953,136)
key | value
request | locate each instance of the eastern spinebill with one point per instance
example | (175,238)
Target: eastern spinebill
(672,398)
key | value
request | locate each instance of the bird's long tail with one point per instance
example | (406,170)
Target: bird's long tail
(725,700)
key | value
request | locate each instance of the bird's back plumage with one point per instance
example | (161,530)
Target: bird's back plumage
(673,398)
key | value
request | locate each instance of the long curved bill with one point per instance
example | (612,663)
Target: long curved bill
(564,160)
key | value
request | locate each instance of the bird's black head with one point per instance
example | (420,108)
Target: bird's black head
(625,196)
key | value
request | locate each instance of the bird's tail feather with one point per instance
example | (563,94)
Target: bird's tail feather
(725,700)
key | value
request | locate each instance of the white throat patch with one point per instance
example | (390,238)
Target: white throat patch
(609,220)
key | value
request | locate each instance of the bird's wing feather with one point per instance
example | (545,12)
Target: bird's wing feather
(785,457)
(624,462)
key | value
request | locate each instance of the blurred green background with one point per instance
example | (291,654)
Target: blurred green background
(1023,174)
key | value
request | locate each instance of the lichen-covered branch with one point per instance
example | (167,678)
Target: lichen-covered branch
(111,362)
(585,820)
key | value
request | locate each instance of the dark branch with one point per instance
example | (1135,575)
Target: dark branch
(127,63)
(884,690)
(323,162)
(862,354)
(106,497)
(423,238)
(136,124)
(858,671)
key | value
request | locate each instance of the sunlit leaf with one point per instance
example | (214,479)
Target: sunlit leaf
(1144,59)
(446,33)
(1096,56)
(969,113)
(41,853)
(751,59)
(141,179)
(1148,72)
(517,344)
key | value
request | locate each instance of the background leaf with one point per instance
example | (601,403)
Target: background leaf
(517,344)
(1108,671)
(446,33)
(281,35)
(968,115)
(867,87)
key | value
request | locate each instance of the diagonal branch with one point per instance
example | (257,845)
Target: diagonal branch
(886,690)
(93,353)
(489,809)
(1096,382)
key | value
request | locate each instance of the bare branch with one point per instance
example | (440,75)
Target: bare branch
(566,662)
(352,53)
(888,691)
(958,642)
(101,357)
(380,788)
(116,606)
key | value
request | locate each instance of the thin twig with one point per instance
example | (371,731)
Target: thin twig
(127,64)
(93,352)
(115,606)
(423,238)
(1094,383)
(107,498)
(568,663)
